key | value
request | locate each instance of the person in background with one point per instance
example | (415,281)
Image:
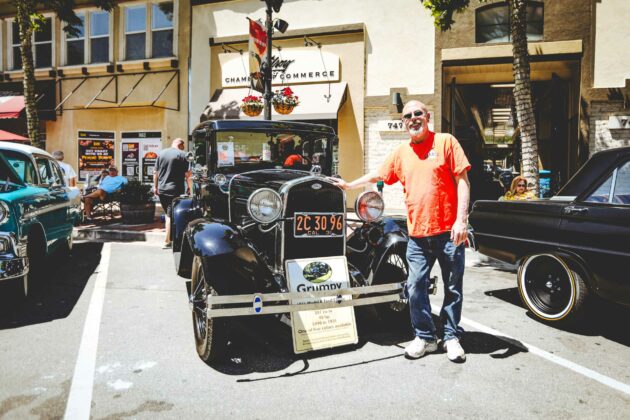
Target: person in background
(68,173)
(171,175)
(519,191)
(433,169)
(108,185)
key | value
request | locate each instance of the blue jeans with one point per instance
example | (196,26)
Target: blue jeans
(421,255)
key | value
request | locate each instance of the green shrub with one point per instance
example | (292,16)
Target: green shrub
(134,192)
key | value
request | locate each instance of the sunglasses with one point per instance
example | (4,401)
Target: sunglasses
(416,113)
(521,185)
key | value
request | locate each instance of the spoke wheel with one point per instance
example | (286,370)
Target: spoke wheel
(210,333)
(550,289)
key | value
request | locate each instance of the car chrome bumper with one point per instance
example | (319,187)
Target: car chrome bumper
(275,303)
(12,267)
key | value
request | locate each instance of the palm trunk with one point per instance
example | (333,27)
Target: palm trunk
(523,93)
(25,8)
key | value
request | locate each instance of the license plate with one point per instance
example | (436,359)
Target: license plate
(318,225)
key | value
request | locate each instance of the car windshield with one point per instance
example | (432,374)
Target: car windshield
(21,164)
(237,149)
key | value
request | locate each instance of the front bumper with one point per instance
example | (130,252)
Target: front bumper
(12,267)
(275,303)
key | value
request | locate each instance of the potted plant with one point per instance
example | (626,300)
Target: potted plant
(252,105)
(284,100)
(136,203)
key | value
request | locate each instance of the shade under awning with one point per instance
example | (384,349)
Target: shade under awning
(11,106)
(319,101)
(7,136)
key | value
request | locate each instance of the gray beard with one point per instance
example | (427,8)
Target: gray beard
(415,132)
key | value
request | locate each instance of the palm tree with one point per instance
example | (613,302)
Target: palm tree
(442,12)
(29,21)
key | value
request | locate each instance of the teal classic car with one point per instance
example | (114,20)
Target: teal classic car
(37,213)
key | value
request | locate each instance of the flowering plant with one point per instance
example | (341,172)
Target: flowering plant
(252,101)
(285,97)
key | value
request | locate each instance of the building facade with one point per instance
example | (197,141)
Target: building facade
(117,91)
(385,55)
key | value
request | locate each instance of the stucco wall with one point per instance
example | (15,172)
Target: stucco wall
(602,137)
(612,30)
(402,23)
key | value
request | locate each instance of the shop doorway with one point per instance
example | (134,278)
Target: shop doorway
(482,117)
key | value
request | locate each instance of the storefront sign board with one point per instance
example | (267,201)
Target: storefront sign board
(290,66)
(322,328)
(139,154)
(96,152)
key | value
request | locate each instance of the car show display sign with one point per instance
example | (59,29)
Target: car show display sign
(257,48)
(96,152)
(292,65)
(139,154)
(321,328)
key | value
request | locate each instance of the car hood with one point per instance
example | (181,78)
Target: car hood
(246,183)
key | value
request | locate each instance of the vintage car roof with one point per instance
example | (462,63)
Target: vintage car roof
(258,125)
(597,166)
(5,145)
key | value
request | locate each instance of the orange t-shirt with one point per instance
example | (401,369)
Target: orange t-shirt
(427,171)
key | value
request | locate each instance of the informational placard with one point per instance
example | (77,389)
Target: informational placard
(96,152)
(225,153)
(139,154)
(321,328)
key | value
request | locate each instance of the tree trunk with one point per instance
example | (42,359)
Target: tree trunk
(25,9)
(523,93)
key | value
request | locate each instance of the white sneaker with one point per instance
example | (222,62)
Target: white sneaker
(454,350)
(418,347)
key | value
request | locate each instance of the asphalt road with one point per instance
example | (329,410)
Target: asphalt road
(115,341)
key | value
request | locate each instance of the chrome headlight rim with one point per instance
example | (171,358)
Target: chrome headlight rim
(253,196)
(4,212)
(365,196)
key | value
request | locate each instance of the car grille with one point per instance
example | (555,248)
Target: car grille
(303,198)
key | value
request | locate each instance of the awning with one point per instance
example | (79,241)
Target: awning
(320,101)
(11,106)
(6,136)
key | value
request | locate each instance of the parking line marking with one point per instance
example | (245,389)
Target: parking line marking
(80,399)
(584,371)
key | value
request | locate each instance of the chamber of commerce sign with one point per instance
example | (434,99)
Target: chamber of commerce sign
(289,66)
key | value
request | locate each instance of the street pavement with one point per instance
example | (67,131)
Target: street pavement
(109,335)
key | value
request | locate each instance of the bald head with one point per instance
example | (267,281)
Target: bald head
(178,143)
(415,117)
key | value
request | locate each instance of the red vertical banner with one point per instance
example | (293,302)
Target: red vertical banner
(257,48)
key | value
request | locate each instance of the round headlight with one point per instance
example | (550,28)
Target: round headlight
(4,212)
(264,205)
(369,206)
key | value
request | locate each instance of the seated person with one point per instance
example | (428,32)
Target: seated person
(519,191)
(111,183)
(94,181)
(294,158)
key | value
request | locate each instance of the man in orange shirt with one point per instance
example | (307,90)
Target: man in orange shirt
(433,170)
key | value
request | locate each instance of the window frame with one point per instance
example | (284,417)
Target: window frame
(87,37)
(509,17)
(612,175)
(148,45)
(11,44)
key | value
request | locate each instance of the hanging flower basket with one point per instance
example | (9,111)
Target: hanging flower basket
(252,105)
(283,108)
(284,101)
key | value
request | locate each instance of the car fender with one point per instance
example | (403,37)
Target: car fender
(230,259)
(183,212)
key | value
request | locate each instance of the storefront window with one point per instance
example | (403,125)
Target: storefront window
(91,44)
(15,45)
(142,42)
(492,22)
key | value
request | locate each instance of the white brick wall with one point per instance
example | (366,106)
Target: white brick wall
(378,144)
(601,138)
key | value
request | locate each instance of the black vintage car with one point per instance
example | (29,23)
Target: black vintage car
(571,246)
(263,201)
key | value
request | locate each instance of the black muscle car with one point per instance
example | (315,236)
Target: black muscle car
(569,247)
(263,203)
